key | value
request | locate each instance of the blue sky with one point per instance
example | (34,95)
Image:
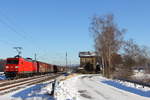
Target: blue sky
(52,27)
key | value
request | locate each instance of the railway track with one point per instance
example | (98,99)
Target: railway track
(18,84)
(7,82)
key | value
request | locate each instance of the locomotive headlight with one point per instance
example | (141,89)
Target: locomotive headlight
(7,66)
(16,66)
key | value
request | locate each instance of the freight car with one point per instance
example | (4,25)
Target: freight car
(43,68)
(21,67)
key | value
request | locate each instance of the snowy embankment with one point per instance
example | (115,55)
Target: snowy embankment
(93,87)
(66,89)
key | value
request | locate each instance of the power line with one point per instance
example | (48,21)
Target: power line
(22,34)
(19,34)
(6,42)
(11,28)
(10,22)
(23,37)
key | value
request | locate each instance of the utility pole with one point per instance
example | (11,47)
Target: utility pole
(66,59)
(35,57)
(70,66)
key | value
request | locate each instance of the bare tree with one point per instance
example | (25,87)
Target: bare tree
(108,39)
(135,53)
(131,51)
(135,56)
(2,65)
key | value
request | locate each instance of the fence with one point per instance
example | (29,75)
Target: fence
(134,82)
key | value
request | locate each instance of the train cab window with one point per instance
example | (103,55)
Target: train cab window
(12,61)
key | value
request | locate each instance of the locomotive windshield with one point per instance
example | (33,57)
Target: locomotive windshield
(12,61)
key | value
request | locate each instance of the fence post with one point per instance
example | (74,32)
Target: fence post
(53,88)
(134,84)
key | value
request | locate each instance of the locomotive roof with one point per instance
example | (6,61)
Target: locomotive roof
(28,59)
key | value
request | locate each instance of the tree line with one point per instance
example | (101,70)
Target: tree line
(2,64)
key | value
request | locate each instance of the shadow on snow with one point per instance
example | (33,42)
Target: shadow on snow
(129,89)
(2,77)
(33,92)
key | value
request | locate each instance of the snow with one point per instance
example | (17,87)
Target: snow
(95,87)
(141,76)
(66,90)
(1,73)
(81,87)
(2,77)
(34,92)
(87,54)
(129,87)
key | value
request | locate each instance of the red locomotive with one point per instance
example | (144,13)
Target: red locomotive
(19,66)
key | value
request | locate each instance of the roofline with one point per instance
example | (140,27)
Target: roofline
(89,56)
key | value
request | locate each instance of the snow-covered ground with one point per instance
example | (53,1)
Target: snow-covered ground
(93,87)
(2,77)
(81,87)
(141,76)
(34,92)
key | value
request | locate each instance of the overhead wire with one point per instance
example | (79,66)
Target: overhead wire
(22,35)
(6,42)
(9,26)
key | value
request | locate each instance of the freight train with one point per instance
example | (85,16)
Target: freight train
(22,67)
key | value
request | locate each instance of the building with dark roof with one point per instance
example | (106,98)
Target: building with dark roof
(88,58)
